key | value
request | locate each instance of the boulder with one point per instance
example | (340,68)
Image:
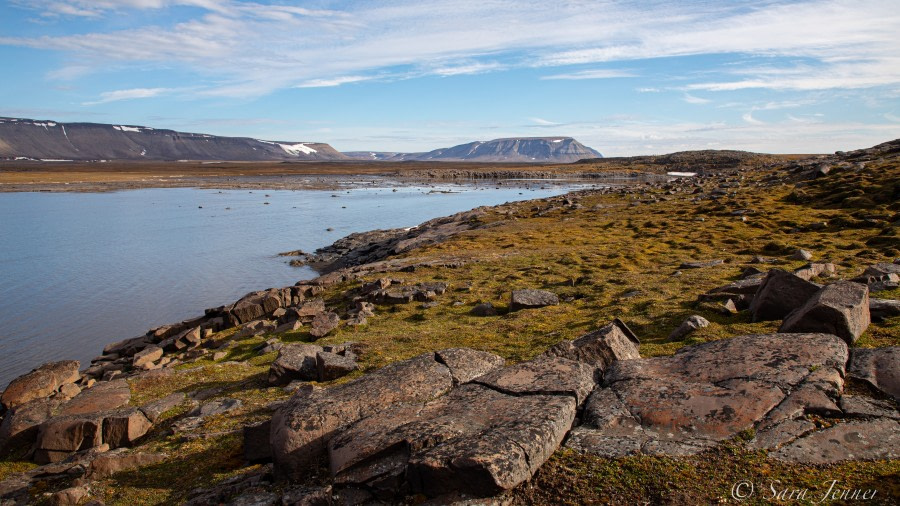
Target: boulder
(257,447)
(62,435)
(39,383)
(841,309)
(531,299)
(20,424)
(814,270)
(688,326)
(466,364)
(545,375)
(324,323)
(107,464)
(123,427)
(147,356)
(600,348)
(302,428)
(71,496)
(103,396)
(256,305)
(801,254)
(331,366)
(780,293)
(484,309)
(879,309)
(294,362)
(707,393)
(879,367)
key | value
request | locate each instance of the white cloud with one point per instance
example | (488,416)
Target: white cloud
(544,122)
(117,95)
(593,74)
(748,117)
(337,81)
(691,99)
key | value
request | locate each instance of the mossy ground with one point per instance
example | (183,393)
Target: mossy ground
(615,256)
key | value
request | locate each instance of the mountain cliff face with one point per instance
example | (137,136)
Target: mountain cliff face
(49,140)
(519,150)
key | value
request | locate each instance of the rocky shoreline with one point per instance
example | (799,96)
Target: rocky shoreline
(455,424)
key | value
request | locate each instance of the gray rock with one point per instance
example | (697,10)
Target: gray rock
(115,461)
(466,364)
(216,407)
(294,362)
(856,440)
(801,254)
(702,264)
(879,367)
(103,396)
(324,323)
(154,409)
(545,375)
(879,309)
(531,299)
(331,366)
(600,348)
(841,309)
(814,270)
(864,407)
(147,356)
(484,309)
(39,383)
(780,293)
(688,326)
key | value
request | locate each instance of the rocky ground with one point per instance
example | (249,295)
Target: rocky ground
(681,342)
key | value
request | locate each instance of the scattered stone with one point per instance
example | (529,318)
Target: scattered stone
(810,271)
(879,367)
(702,264)
(39,383)
(147,356)
(289,327)
(256,328)
(531,299)
(879,309)
(216,407)
(484,309)
(688,326)
(801,254)
(331,366)
(295,362)
(324,323)
(219,355)
(466,364)
(600,348)
(107,464)
(780,293)
(841,309)
(124,426)
(69,496)
(153,410)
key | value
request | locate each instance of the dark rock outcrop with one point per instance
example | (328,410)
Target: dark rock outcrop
(780,293)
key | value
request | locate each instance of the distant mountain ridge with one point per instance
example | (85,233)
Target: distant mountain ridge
(515,149)
(51,140)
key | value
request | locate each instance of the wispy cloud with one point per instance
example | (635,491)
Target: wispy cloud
(544,122)
(593,74)
(691,99)
(337,81)
(117,95)
(748,117)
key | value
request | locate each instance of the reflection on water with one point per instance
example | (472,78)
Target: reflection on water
(80,270)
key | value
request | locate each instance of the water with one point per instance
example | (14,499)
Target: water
(80,270)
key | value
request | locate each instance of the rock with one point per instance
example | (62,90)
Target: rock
(707,393)
(216,407)
(475,441)
(295,362)
(303,427)
(841,309)
(257,447)
(700,265)
(879,367)
(219,355)
(124,426)
(600,348)
(20,424)
(364,308)
(107,464)
(864,407)
(306,311)
(69,496)
(531,299)
(147,356)
(688,326)
(545,375)
(69,390)
(256,305)
(810,271)
(801,254)
(484,309)
(466,364)
(331,366)
(288,327)
(324,323)
(154,409)
(882,270)
(780,293)
(879,309)
(256,328)
(255,499)
(63,435)
(308,496)
(856,440)
(39,383)
(102,397)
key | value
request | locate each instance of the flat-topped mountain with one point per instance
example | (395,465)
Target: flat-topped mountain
(517,149)
(50,140)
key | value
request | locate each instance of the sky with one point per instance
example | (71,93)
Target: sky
(624,77)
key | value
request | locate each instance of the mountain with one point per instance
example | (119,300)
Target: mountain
(50,140)
(518,149)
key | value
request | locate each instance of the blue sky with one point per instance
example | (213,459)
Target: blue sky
(624,77)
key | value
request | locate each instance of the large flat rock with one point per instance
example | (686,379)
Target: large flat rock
(877,439)
(880,367)
(302,428)
(103,396)
(707,393)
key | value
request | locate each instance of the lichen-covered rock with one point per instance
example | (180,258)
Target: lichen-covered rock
(780,293)
(688,326)
(295,361)
(880,367)
(39,383)
(466,364)
(877,439)
(123,427)
(545,375)
(103,396)
(532,299)
(331,366)
(323,323)
(841,309)
(107,464)
(602,347)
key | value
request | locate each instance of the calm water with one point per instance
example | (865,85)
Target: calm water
(80,270)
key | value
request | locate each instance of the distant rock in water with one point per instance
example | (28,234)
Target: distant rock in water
(49,140)
(517,149)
